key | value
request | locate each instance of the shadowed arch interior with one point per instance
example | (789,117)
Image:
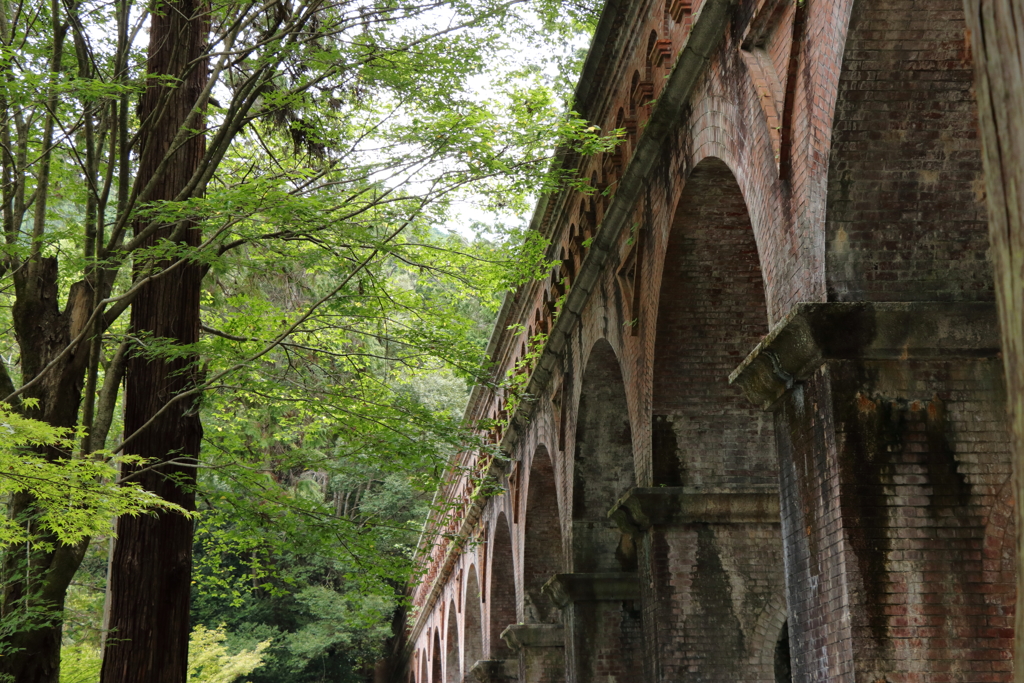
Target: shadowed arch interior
(502,594)
(709,440)
(604,636)
(436,674)
(603,466)
(711,313)
(472,631)
(454,674)
(542,544)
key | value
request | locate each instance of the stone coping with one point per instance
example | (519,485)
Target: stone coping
(494,671)
(814,333)
(519,636)
(642,508)
(565,589)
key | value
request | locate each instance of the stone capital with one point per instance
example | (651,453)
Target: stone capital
(642,508)
(565,589)
(523,636)
(814,333)
(494,671)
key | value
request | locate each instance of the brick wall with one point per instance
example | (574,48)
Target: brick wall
(705,434)
(906,213)
(892,473)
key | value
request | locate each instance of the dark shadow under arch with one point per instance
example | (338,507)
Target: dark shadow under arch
(436,673)
(603,465)
(452,666)
(472,630)
(542,542)
(711,314)
(502,590)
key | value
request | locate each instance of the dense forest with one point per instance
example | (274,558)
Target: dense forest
(251,255)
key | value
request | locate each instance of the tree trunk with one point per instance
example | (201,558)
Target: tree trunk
(997,40)
(34,580)
(151,571)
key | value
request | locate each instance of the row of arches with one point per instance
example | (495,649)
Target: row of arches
(643,408)
(705,437)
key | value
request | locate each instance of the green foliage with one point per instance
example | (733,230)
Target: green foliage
(342,325)
(75,497)
(209,660)
(80,664)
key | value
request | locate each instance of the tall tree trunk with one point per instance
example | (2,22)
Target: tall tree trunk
(35,575)
(151,570)
(997,40)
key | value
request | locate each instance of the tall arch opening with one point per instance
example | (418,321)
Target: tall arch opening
(602,614)
(542,542)
(711,314)
(602,466)
(436,674)
(472,631)
(452,666)
(712,450)
(502,593)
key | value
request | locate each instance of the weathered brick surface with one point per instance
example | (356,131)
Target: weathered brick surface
(906,216)
(827,152)
(542,541)
(705,434)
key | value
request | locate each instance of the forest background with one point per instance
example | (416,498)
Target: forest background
(234,316)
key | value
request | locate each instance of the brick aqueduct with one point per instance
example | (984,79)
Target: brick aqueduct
(766,439)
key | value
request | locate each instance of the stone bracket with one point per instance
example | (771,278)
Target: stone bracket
(522,636)
(642,508)
(565,589)
(494,671)
(814,333)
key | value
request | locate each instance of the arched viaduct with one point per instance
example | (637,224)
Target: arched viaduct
(764,433)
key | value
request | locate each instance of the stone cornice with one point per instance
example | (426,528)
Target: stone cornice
(519,636)
(642,508)
(814,333)
(707,33)
(565,589)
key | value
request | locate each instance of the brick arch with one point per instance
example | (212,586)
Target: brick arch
(711,312)
(603,636)
(765,639)
(542,539)
(423,667)
(435,670)
(472,626)
(501,592)
(718,130)
(602,464)
(905,198)
(453,673)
